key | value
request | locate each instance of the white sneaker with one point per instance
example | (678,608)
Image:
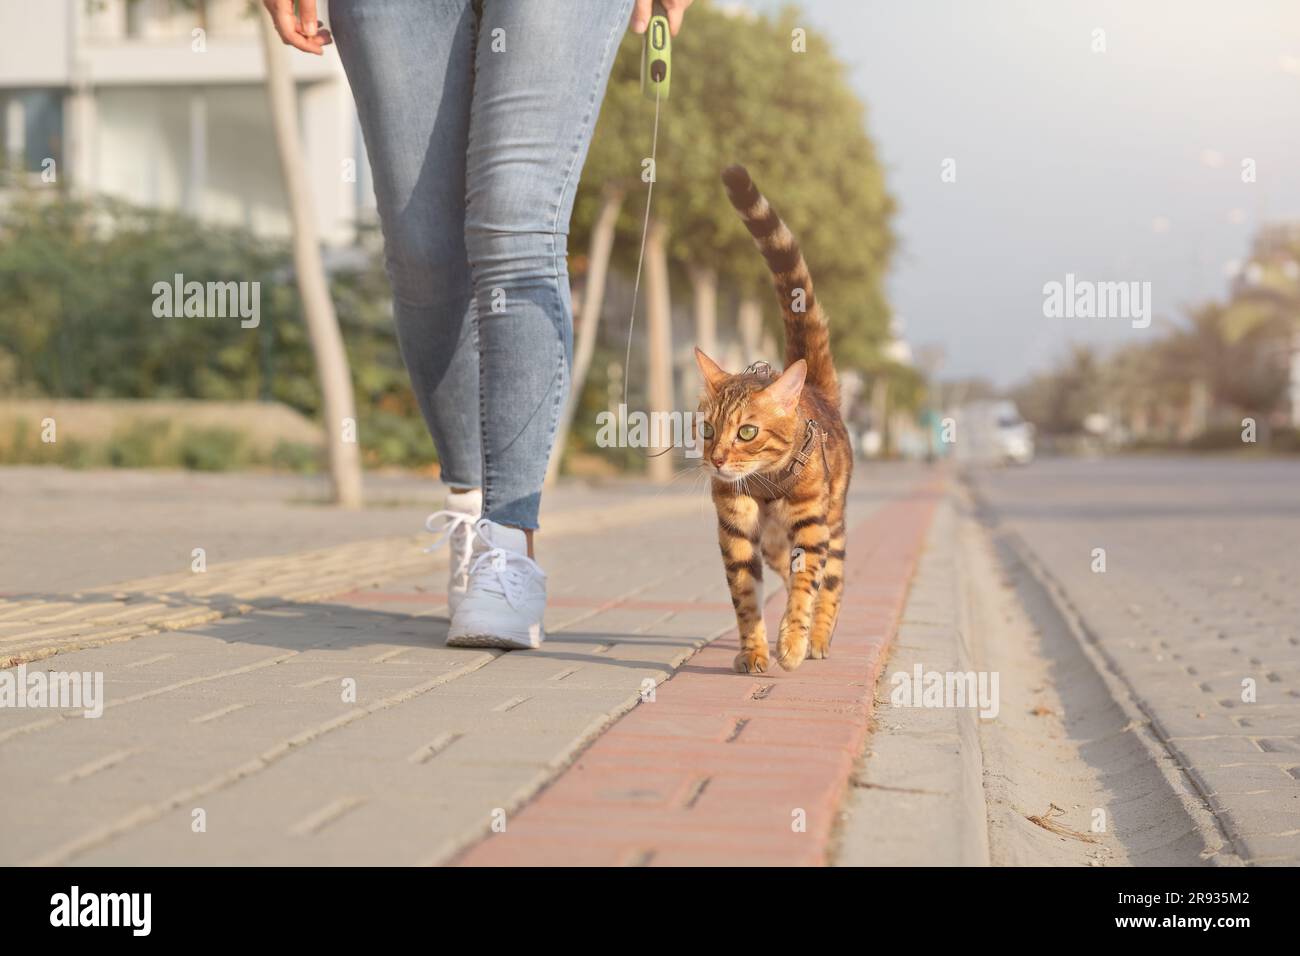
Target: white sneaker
(507,593)
(455,526)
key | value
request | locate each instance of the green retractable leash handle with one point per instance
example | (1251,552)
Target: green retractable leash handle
(657,56)
(656,75)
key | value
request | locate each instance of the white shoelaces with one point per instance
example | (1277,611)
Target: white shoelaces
(452,522)
(507,572)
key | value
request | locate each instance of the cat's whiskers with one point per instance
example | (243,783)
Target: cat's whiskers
(702,474)
(757,474)
(771,485)
(695,469)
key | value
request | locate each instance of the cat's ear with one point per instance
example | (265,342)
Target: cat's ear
(709,369)
(785,391)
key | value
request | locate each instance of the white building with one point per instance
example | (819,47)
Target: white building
(163,104)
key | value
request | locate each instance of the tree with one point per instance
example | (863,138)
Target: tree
(1265,306)
(1233,349)
(742,93)
(659,338)
(338,406)
(1057,402)
(593,301)
(615,168)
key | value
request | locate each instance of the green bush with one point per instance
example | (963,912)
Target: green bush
(77,454)
(76,302)
(22,445)
(143,444)
(156,443)
(391,439)
(213,449)
(296,457)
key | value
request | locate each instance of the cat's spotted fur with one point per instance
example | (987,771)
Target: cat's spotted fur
(770,506)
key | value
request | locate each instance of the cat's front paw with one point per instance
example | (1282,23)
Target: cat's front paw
(752,661)
(792,647)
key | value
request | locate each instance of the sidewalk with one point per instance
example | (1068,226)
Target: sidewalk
(236,740)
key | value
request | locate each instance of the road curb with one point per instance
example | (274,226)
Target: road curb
(918,795)
(1186,789)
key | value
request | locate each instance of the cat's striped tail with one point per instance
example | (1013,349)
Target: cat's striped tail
(806,335)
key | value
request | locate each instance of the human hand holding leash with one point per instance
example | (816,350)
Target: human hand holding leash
(676,9)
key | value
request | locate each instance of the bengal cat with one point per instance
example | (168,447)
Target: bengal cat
(780,460)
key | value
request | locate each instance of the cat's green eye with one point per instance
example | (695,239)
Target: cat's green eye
(706,429)
(747,432)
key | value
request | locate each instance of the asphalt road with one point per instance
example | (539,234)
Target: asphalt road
(1197,609)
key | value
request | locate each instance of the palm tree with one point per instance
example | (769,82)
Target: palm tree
(1265,307)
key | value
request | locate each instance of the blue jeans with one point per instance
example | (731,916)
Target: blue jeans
(477,117)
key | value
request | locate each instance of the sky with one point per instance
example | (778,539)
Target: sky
(1122,165)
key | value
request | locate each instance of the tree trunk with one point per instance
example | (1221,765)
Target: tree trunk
(749,317)
(733,358)
(1293,386)
(879,412)
(593,300)
(338,409)
(659,341)
(704,286)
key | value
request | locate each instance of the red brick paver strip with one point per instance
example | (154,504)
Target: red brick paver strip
(721,768)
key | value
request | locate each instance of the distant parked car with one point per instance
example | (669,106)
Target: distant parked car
(993,432)
(1015,436)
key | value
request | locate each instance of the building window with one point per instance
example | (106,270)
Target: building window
(31,128)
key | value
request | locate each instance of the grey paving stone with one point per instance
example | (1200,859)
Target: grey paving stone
(1199,593)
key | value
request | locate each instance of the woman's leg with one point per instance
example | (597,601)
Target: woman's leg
(540,74)
(410,64)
